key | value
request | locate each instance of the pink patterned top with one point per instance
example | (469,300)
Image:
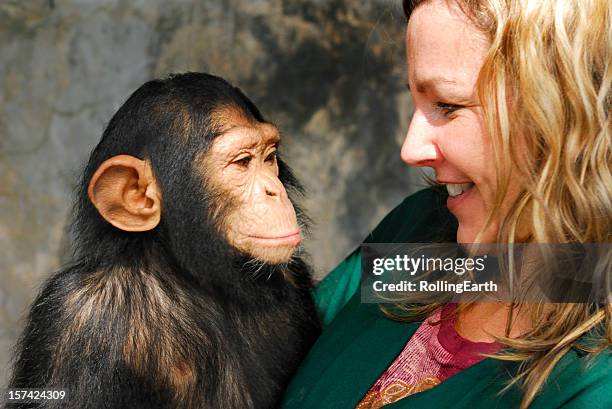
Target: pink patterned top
(434,353)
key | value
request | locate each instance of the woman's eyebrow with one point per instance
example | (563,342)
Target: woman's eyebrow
(427,84)
(453,93)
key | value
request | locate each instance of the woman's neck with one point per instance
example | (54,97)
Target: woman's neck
(481,322)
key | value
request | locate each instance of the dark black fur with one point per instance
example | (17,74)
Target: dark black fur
(173,317)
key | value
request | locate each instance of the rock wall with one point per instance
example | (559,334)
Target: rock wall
(329,73)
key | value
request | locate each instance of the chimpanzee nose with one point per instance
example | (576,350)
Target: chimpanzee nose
(271,186)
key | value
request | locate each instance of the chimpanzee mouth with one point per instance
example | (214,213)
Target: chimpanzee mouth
(293,238)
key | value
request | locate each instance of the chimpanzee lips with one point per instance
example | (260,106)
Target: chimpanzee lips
(292,238)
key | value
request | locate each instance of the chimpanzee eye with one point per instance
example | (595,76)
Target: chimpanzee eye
(244,161)
(271,157)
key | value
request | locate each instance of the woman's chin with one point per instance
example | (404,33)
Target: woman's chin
(465,237)
(467,234)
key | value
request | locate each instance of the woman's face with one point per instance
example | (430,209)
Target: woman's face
(445,52)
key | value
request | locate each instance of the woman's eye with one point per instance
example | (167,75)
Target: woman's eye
(444,109)
(244,161)
(271,157)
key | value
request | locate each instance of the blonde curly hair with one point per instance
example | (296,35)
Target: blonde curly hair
(545,91)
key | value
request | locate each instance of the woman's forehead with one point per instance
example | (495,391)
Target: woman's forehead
(443,47)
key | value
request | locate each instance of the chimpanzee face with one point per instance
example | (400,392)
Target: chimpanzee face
(249,205)
(242,165)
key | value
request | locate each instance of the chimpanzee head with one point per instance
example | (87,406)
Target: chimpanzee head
(189,164)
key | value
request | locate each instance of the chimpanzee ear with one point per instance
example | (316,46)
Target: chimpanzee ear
(125,192)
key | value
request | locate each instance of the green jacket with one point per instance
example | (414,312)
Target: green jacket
(358,342)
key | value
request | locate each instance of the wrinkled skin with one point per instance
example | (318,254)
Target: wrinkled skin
(242,163)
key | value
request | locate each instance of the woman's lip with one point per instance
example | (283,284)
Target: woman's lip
(453,202)
(445,182)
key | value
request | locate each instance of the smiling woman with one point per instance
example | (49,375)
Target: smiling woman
(513,112)
(447,131)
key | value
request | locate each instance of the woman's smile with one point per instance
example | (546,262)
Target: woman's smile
(458,193)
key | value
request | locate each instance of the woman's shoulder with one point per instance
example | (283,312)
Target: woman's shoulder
(579,380)
(420,217)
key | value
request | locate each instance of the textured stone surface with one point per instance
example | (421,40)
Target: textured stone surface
(329,73)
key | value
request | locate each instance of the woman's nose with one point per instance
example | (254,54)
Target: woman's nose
(419,148)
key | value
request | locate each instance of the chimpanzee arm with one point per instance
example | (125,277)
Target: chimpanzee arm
(73,342)
(111,343)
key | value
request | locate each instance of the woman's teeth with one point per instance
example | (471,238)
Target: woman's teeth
(455,189)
